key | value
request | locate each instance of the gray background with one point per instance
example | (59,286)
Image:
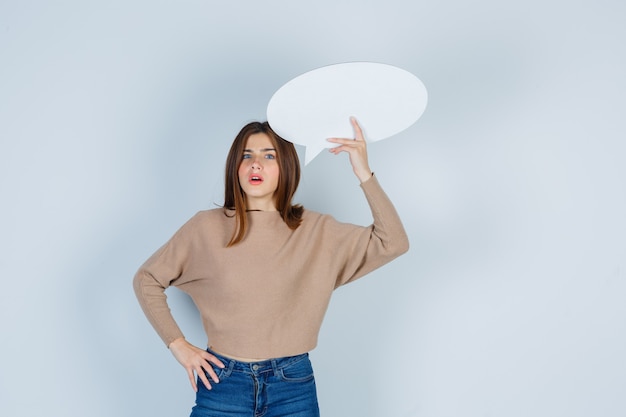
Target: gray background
(115,119)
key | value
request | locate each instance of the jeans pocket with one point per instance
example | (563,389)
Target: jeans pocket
(300,371)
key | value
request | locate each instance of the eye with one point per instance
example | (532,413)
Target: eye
(270,156)
(246,156)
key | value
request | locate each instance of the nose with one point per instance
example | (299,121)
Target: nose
(256,164)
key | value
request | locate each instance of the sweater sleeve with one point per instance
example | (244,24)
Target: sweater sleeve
(160,271)
(368,248)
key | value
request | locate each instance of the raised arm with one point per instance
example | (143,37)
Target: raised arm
(386,239)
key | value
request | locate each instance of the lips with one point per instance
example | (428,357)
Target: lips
(255,179)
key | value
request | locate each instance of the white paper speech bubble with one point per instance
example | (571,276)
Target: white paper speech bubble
(318,104)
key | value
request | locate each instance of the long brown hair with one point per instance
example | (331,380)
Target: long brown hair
(288,180)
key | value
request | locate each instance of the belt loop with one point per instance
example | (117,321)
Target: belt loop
(229,368)
(275,367)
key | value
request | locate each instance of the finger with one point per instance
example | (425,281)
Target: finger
(357,128)
(344,141)
(209,370)
(204,379)
(339,149)
(192,379)
(214,359)
(353,149)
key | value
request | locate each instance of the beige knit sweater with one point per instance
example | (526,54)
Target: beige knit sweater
(266,296)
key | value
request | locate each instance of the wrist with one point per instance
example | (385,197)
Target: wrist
(176,342)
(364,175)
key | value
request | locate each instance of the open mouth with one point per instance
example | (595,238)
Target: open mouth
(255,179)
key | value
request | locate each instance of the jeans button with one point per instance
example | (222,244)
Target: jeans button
(255,367)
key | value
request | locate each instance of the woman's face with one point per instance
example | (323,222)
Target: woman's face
(259,172)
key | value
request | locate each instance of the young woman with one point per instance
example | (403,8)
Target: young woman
(261,271)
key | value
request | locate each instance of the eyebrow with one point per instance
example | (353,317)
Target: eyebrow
(261,150)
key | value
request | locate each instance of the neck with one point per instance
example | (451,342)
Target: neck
(260,205)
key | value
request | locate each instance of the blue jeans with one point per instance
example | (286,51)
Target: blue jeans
(273,388)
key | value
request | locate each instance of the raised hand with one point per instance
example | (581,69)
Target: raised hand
(357,151)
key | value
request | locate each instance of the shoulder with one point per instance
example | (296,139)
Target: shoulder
(207,218)
(212,214)
(321,221)
(309,216)
(205,224)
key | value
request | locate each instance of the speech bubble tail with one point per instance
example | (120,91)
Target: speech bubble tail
(310,153)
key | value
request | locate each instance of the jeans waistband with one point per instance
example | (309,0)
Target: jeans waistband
(260,367)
